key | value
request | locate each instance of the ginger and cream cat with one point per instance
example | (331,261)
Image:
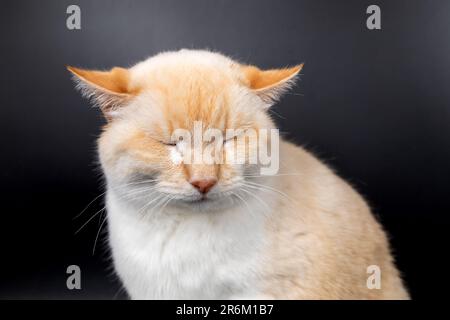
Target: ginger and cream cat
(223,231)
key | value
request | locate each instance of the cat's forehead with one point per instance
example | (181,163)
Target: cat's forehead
(185,72)
(197,100)
(191,90)
(212,102)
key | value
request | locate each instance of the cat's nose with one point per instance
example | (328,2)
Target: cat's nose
(203,185)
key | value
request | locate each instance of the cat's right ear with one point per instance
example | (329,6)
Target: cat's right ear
(109,90)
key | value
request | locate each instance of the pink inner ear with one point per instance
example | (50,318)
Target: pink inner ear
(114,81)
(265,79)
(109,90)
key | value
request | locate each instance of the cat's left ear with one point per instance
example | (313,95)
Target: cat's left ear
(109,90)
(270,84)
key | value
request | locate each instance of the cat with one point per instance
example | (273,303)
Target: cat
(224,231)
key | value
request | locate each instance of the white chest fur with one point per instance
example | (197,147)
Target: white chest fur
(217,255)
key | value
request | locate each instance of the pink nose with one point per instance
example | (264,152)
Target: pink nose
(203,185)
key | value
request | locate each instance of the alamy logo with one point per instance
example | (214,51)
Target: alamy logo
(234,147)
(74,279)
(374,20)
(374,280)
(73,21)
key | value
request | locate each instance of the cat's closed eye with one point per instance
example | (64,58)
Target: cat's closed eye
(169,143)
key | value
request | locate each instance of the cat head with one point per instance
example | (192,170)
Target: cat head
(142,152)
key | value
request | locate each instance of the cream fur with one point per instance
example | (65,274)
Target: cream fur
(306,235)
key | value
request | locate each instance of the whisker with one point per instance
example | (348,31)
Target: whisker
(254,184)
(142,196)
(257,198)
(165,204)
(117,187)
(272,175)
(149,203)
(90,219)
(139,191)
(291,201)
(79,214)
(98,233)
(242,199)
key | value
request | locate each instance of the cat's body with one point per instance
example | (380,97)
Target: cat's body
(300,234)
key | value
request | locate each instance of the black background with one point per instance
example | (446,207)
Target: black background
(372,104)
